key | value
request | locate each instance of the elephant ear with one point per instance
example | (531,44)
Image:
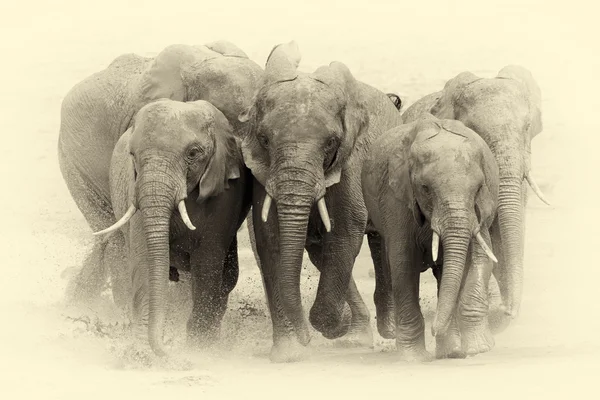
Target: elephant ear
(165,76)
(444,108)
(224,165)
(226,48)
(398,168)
(122,169)
(254,158)
(281,66)
(524,76)
(353,110)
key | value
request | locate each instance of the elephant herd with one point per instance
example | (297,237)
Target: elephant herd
(167,156)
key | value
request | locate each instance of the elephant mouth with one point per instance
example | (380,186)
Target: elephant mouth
(131,212)
(321,206)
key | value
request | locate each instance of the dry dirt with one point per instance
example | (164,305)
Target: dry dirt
(48,351)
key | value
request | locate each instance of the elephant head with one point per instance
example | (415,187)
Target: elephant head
(506,112)
(448,178)
(301,131)
(174,149)
(218,72)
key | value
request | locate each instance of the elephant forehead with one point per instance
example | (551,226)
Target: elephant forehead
(300,95)
(445,150)
(169,121)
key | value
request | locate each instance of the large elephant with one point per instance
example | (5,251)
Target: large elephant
(98,110)
(428,181)
(185,156)
(506,112)
(307,137)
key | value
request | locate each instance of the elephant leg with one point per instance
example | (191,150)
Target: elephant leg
(473,304)
(118,269)
(360,333)
(383,297)
(286,347)
(331,313)
(87,285)
(207,262)
(405,260)
(448,345)
(231,273)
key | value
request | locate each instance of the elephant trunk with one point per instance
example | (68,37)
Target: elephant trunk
(157,196)
(510,222)
(295,189)
(456,230)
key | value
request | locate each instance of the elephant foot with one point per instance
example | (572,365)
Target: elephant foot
(477,339)
(139,356)
(359,335)
(449,344)
(509,310)
(287,349)
(498,320)
(386,325)
(414,353)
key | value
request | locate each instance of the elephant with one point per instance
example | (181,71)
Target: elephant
(99,109)
(306,138)
(506,112)
(180,155)
(431,187)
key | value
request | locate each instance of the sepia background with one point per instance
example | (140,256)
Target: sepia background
(411,48)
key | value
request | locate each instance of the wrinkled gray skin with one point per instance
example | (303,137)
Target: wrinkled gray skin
(98,110)
(428,176)
(176,152)
(307,137)
(506,112)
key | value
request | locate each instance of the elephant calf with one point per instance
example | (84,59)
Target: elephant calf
(427,182)
(176,168)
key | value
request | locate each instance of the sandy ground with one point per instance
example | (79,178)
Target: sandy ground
(550,350)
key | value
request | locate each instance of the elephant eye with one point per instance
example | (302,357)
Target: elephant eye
(425,189)
(331,143)
(264,141)
(194,153)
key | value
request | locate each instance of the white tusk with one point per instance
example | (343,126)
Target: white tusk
(324,214)
(130,211)
(485,247)
(184,215)
(266,207)
(435,245)
(535,188)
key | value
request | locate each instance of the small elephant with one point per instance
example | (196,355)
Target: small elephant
(307,137)
(506,112)
(99,109)
(179,156)
(431,190)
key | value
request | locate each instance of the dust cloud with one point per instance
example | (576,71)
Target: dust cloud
(52,351)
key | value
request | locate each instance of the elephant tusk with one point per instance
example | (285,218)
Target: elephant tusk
(130,211)
(535,188)
(435,245)
(266,207)
(324,214)
(485,247)
(184,215)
